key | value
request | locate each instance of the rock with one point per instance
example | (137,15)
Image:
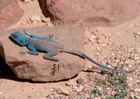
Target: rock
(70,83)
(36,68)
(10,13)
(62,91)
(101,41)
(90,12)
(80,81)
(48,22)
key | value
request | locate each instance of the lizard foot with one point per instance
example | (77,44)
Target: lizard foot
(27,33)
(22,52)
(54,37)
(55,68)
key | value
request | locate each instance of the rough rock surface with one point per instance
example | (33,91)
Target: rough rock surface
(90,12)
(10,13)
(36,68)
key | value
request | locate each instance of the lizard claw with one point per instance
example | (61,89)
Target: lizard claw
(55,68)
(54,37)
(27,33)
(22,52)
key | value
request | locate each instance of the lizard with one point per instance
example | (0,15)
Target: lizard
(51,47)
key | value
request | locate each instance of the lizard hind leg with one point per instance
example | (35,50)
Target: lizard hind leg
(49,56)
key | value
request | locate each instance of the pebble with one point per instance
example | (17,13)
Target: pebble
(138,34)
(80,81)
(138,50)
(62,91)
(80,88)
(35,18)
(48,22)
(92,38)
(1,93)
(101,41)
(69,83)
(26,1)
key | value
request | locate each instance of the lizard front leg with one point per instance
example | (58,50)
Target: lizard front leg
(49,56)
(32,50)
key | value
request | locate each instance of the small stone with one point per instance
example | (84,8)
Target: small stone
(80,88)
(130,84)
(80,81)
(104,44)
(115,64)
(92,96)
(138,50)
(69,83)
(92,38)
(29,97)
(1,93)
(46,20)
(138,33)
(49,24)
(89,66)
(138,90)
(2,83)
(98,54)
(26,1)
(136,25)
(62,91)
(35,18)
(86,42)
(101,41)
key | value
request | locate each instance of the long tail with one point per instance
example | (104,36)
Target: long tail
(76,52)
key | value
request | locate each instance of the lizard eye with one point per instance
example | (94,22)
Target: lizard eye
(21,41)
(15,36)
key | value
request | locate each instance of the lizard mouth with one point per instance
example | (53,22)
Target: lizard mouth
(13,36)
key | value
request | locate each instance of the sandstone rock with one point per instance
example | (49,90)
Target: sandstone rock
(90,12)
(10,13)
(36,68)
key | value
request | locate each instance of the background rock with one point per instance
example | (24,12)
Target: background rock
(36,68)
(90,12)
(10,13)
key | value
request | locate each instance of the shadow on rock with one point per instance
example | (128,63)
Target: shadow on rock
(6,72)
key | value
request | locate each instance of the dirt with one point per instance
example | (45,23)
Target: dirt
(107,45)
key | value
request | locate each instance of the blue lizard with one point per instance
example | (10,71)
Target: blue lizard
(51,47)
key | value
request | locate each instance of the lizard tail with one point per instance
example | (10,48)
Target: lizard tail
(76,52)
(91,60)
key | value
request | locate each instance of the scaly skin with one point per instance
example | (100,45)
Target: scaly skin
(51,47)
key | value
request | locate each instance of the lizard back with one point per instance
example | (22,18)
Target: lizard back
(42,44)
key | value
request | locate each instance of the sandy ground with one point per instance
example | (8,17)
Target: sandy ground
(107,45)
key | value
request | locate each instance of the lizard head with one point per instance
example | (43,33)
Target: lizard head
(19,38)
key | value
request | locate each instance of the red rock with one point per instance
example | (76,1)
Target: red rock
(10,13)
(90,12)
(35,67)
